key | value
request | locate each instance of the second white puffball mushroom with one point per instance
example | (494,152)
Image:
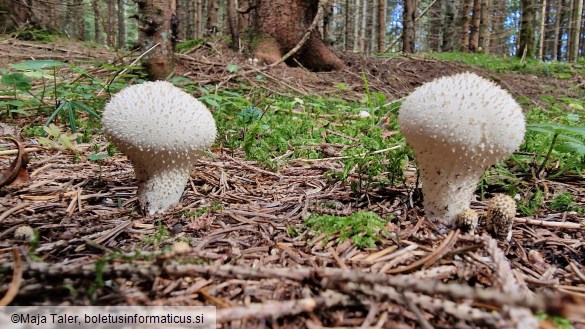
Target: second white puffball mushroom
(458,126)
(162,130)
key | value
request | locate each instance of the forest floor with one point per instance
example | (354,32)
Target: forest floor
(249,250)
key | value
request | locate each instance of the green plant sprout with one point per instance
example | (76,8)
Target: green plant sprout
(573,138)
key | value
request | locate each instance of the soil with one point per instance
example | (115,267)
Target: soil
(252,257)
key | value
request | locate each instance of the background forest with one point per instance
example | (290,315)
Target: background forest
(544,29)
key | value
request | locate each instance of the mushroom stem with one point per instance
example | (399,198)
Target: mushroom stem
(448,186)
(160,186)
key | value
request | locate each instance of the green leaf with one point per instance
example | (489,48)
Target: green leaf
(232,67)
(52,130)
(62,106)
(71,114)
(37,65)
(576,130)
(97,157)
(572,147)
(16,80)
(13,102)
(85,108)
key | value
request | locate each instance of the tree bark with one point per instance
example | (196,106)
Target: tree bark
(348,39)
(435,23)
(464,23)
(327,19)
(484,28)
(98,21)
(121,24)
(575,35)
(232,17)
(526,36)
(156,28)
(475,26)
(356,26)
(562,29)
(381,25)
(409,28)
(278,27)
(541,33)
(556,29)
(110,22)
(13,14)
(449,26)
(80,9)
(211,24)
(199,19)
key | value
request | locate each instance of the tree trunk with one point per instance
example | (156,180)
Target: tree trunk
(109,22)
(409,28)
(464,23)
(191,13)
(279,25)
(381,25)
(99,22)
(498,35)
(121,24)
(44,15)
(475,26)
(541,35)
(363,30)
(448,26)
(155,25)
(199,19)
(327,19)
(562,30)
(435,23)
(211,25)
(356,26)
(556,29)
(80,10)
(69,18)
(348,40)
(13,15)
(232,17)
(526,36)
(484,28)
(575,35)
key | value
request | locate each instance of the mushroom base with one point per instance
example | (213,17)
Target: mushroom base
(160,189)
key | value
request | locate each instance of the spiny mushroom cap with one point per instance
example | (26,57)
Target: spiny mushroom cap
(500,215)
(458,126)
(467,221)
(158,119)
(470,117)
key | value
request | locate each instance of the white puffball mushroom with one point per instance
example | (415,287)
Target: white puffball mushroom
(467,221)
(501,212)
(24,233)
(458,126)
(181,246)
(162,130)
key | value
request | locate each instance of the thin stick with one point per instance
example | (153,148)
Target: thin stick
(276,309)
(13,210)
(545,223)
(15,151)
